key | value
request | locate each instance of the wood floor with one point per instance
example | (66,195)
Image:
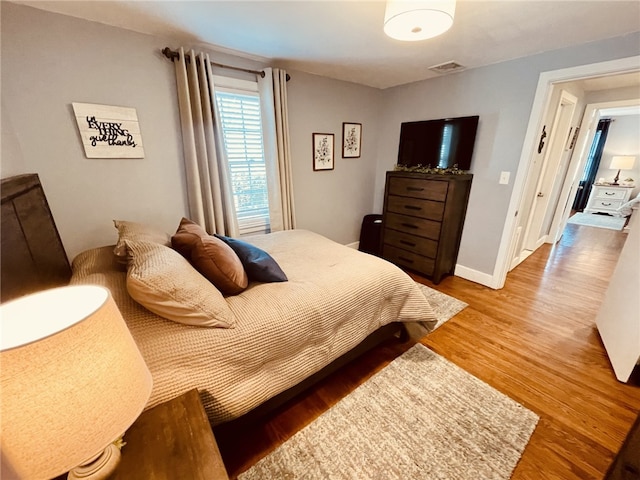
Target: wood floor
(534,340)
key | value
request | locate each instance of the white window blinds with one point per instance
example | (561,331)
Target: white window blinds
(241,126)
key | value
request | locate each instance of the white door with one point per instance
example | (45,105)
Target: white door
(549,180)
(619,318)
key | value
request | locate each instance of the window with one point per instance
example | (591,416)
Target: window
(240,122)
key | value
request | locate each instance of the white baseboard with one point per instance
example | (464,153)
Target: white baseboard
(461,271)
(477,277)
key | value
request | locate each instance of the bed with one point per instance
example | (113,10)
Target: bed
(336,303)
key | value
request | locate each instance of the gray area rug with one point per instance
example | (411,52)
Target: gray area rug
(595,220)
(421,417)
(444,307)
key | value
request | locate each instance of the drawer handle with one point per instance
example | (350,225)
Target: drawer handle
(412,207)
(404,259)
(605,204)
(404,242)
(609,193)
(409,225)
(415,189)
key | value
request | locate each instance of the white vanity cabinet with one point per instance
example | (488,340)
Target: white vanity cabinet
(607,198)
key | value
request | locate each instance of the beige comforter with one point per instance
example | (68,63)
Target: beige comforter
(285,332)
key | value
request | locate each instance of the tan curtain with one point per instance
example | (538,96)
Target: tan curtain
(208,185)
(275,119)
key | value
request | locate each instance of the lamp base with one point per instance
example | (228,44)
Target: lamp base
(615,180)
(98,468)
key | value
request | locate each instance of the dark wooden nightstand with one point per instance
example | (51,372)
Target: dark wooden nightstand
(170,441)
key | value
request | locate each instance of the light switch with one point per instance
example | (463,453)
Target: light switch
(504,178)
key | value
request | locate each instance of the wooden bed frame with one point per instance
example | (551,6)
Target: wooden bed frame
(33,258)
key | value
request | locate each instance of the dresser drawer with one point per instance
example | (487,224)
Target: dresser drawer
(419,245)
(417,188)
(415,207)
(605,204)
(408,259)
(610,193)
(412,225)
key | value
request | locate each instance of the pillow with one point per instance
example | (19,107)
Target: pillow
(259,265)
(163,281)
(139,232)
(211,257)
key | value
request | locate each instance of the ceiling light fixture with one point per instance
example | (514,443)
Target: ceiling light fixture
(418,19)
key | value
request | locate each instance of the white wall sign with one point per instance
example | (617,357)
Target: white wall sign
(109,132)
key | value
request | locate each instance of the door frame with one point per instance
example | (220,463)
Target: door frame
(540,104)
(592,115)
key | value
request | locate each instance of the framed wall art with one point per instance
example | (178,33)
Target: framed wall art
(108,132)
(323,145)
(351,140)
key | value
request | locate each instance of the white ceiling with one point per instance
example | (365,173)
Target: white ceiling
(344,39)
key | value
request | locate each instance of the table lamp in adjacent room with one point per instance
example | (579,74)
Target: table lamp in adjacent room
(621,162)
(72,382)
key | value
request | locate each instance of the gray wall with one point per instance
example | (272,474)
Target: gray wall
(623,135)
(49,61)
(332,202)
(502,95)
(623,138)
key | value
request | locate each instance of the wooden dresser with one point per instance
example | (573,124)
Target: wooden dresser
(422,221)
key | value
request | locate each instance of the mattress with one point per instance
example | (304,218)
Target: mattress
(284,332)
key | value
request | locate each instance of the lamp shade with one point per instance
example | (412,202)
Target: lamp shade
(622,162)
(418,19)
(72,379)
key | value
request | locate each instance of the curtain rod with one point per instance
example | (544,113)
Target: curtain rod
(172,55)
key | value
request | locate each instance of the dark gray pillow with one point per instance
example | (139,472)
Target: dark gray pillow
(259,265)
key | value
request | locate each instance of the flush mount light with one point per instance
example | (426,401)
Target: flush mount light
(419,19)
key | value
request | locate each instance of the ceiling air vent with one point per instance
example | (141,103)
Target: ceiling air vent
(447,67)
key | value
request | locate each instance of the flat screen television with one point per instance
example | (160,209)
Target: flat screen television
(442,143)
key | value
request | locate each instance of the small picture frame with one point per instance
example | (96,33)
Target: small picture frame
(351,140)
(323,146)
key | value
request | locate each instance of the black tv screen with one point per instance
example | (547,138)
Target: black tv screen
(442,143)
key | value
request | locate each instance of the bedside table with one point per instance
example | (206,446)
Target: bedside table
(607,198)
(171,441)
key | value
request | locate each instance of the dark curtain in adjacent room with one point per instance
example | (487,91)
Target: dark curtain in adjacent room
(591,167)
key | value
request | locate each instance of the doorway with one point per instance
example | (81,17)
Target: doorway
(513,234)
(549,177)
(588,131)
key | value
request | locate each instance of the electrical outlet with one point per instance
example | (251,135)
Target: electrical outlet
(504,178)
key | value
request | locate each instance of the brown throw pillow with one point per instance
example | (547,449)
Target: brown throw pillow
(212,257)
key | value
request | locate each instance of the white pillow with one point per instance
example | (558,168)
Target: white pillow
(164,282)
